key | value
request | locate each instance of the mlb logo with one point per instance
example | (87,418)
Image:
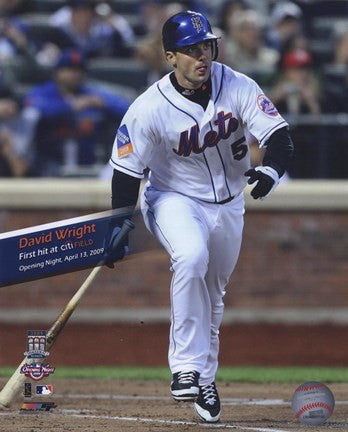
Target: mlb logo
(44,390)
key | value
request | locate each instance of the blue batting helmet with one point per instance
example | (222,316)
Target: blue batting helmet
(187,28)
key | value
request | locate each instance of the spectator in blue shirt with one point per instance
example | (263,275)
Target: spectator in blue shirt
(14,39)
(93,33)
(73,117)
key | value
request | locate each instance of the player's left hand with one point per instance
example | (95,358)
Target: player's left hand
(267,180)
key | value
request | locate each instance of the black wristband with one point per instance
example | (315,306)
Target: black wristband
(125,190)
(279,150)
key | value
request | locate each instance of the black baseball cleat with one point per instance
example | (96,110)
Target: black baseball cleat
(207,405)
(184,385)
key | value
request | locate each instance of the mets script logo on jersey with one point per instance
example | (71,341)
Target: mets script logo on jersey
(266,105)
(124,145)
(197,23)
(226,125)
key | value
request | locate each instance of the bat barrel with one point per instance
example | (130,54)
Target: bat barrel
(12,387)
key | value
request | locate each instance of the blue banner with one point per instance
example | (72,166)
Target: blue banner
(59,247)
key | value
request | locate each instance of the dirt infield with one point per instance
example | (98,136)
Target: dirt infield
(145,406)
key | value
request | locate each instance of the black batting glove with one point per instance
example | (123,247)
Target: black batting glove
(112,253)
(267,180)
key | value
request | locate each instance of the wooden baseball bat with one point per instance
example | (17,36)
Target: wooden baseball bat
(15,383)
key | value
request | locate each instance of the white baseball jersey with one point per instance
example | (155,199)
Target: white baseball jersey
(201,154)
(196,158)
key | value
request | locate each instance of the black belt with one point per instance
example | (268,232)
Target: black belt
(226,200)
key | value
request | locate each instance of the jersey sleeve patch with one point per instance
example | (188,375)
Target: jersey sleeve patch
(266,106)
(124,145)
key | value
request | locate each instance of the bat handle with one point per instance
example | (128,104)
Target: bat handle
(60,322)
(127,226)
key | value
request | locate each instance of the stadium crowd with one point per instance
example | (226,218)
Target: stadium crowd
(70,68)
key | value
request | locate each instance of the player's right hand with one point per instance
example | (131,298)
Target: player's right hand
(112,253)
(267,180)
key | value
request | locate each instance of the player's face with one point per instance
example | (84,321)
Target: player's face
(192,64)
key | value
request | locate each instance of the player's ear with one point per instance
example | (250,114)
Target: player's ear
(171,58)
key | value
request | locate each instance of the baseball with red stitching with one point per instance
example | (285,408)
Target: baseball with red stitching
(313,403)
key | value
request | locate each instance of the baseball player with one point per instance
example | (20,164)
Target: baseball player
(189,130)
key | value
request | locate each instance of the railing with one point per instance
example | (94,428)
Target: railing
(86,194)
(321,146)
(337,119)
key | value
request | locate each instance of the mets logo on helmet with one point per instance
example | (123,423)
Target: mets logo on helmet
(197,23)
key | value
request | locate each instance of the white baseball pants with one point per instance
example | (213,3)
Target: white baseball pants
(203,241)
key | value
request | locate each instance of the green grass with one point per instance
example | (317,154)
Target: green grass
(227,374)
(283,374)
